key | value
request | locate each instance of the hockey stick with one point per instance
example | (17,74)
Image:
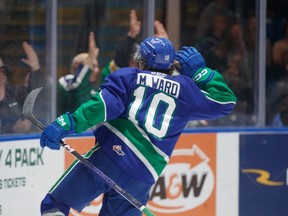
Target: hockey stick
(28,113)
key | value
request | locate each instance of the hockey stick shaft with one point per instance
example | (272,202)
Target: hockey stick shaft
(28,113)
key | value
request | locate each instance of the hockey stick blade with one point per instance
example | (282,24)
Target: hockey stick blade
(29,105)
(28,113)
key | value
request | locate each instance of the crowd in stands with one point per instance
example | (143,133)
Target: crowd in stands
(12,96)
(226,41)
(74,88)
(229,45)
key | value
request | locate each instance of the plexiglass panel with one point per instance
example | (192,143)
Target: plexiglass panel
(22,65)
(109,23)
(226,32)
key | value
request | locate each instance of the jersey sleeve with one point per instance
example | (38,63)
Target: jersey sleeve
(215,88)
(109,103)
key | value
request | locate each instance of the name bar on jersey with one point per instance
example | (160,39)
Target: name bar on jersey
(158,82)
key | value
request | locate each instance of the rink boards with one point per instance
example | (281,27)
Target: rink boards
(211,174)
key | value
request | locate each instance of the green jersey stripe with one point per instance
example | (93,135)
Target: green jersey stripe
(217,101)
(134,150)
(105,107)
(141,140)
(159,151)
(143,146)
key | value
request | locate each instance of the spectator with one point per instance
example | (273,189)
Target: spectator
(280,53)
(127,48)
(76,88)
(230,58)
(278,85)
(216,7)
(233,44)
(241,115)
(214,36)
(234,77)
(82,81)
(12,97)
(250,43)
(280,50)
(250,40)
(281,116)
(160,30)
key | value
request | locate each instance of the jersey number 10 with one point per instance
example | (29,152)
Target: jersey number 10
(152,112)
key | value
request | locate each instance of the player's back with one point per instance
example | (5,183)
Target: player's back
(147,112)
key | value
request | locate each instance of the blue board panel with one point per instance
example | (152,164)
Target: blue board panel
(263,171)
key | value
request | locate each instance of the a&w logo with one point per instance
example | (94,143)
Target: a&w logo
(187,182)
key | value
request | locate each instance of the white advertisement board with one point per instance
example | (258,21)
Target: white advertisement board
(26,174)
(201,177)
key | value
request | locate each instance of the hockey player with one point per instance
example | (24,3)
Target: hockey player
(140,114)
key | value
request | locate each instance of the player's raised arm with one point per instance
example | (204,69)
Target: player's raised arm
(210,81)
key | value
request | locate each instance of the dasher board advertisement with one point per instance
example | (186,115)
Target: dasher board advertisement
(27,172)
(188,185)
(264,175)
(200,179)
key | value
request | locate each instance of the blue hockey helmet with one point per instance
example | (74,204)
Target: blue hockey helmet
(157,53)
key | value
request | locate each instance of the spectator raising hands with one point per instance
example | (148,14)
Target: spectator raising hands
(135,25)
(82,82)
(160,30)
(92,59)
(31,59)
(12,97)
